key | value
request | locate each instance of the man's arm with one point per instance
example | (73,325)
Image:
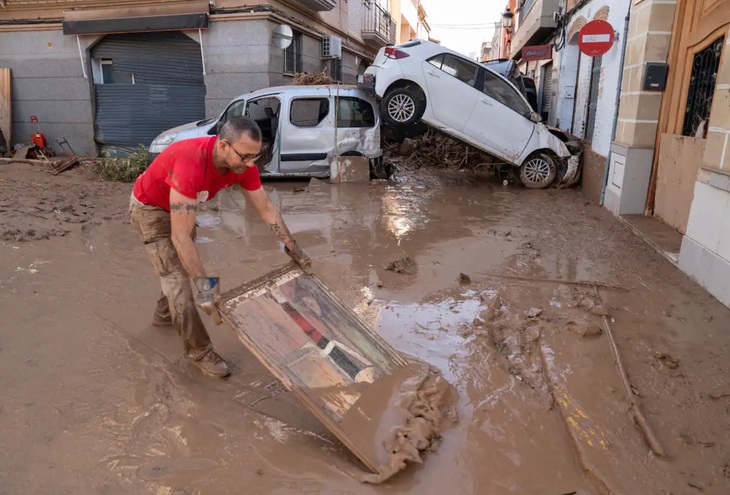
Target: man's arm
(271,215)
(182,214)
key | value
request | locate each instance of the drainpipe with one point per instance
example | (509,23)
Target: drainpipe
(618,100)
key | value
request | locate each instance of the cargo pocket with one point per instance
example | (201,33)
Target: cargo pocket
(163,256)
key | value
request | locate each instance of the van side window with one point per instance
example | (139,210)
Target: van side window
(308,112)
(354,112)
(498,89)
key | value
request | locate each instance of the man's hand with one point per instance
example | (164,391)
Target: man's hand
(301,259)
(207,294)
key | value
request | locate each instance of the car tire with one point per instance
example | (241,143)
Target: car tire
(538,171)
(402,107)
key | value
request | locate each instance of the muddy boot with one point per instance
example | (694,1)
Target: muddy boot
(159,321)
(212,364)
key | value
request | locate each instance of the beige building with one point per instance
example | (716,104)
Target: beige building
(671,154)
(410,20)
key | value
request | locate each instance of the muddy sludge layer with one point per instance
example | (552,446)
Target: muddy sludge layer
(400,418)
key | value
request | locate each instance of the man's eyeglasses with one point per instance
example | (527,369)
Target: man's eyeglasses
(244,158)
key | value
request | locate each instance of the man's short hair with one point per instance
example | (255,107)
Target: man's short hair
(234,128)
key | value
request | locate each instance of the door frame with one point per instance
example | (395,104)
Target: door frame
(680,57)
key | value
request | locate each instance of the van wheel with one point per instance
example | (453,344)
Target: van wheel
(402,107)
(538,171)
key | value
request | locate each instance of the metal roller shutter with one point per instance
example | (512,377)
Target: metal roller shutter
(153,81)
(547,88)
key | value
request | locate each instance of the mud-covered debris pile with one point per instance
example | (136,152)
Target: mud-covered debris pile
(427,404)
(307,79)
(436,150)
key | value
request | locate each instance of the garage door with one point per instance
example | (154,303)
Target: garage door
(144,84)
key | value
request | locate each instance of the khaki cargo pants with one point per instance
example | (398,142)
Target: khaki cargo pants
(154,227)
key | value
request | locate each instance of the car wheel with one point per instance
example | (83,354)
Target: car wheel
(402,107)
(538,171)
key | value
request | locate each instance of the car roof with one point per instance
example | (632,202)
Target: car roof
(307,90)
(436,49)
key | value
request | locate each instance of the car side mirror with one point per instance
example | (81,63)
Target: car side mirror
(535,117)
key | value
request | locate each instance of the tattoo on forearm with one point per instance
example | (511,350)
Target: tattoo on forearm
(183,206)
(277,230)
(280,230)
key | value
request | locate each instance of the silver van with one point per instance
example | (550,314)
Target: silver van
(300,132)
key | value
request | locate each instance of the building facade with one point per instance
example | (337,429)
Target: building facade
(410,19)
(671,154)
(654,112)
(109,78)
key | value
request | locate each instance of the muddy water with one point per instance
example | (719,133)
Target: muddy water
(96,400)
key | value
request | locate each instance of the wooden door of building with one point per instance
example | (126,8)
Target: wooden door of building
(699,36)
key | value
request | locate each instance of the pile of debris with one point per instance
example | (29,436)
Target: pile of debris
(436,150)
(307,79)
(34,155)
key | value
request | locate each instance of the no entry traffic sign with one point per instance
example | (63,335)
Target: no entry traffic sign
(596,38)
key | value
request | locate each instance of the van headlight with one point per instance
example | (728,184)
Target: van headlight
(164,139)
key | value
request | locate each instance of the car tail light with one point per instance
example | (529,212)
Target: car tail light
(394,53)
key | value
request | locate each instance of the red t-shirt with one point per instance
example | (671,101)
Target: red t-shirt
(187,166)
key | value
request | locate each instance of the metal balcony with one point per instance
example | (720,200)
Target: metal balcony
(536,22)
(378,26)
(319,5)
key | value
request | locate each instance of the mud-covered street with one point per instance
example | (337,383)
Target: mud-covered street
(506,296)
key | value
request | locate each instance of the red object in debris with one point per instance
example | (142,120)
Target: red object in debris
(37,137)
(596,38)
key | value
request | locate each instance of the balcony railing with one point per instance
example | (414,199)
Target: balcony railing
(378,25)
(319,5)
(526,6)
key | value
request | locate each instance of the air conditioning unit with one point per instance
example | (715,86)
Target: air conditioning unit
(331,47)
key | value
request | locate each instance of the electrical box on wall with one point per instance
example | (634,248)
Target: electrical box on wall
(331,47)
(655,76)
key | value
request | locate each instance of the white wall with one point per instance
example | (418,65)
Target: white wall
(610,70)
(567,71)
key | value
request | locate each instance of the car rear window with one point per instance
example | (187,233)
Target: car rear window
(308,112)
(354,112)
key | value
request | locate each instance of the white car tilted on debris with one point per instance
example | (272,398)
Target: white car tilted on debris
(422,80)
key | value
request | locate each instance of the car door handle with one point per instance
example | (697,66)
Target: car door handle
(487,102)
(433,74)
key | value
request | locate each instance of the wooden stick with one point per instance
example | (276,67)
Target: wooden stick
(24,160)
(639,417)
(586,283)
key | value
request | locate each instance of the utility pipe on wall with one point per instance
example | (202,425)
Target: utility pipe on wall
(618,101)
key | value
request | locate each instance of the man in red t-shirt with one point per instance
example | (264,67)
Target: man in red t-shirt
(162,209)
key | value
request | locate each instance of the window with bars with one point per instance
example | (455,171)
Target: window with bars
(293,55)
(705,65)
(334,69)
